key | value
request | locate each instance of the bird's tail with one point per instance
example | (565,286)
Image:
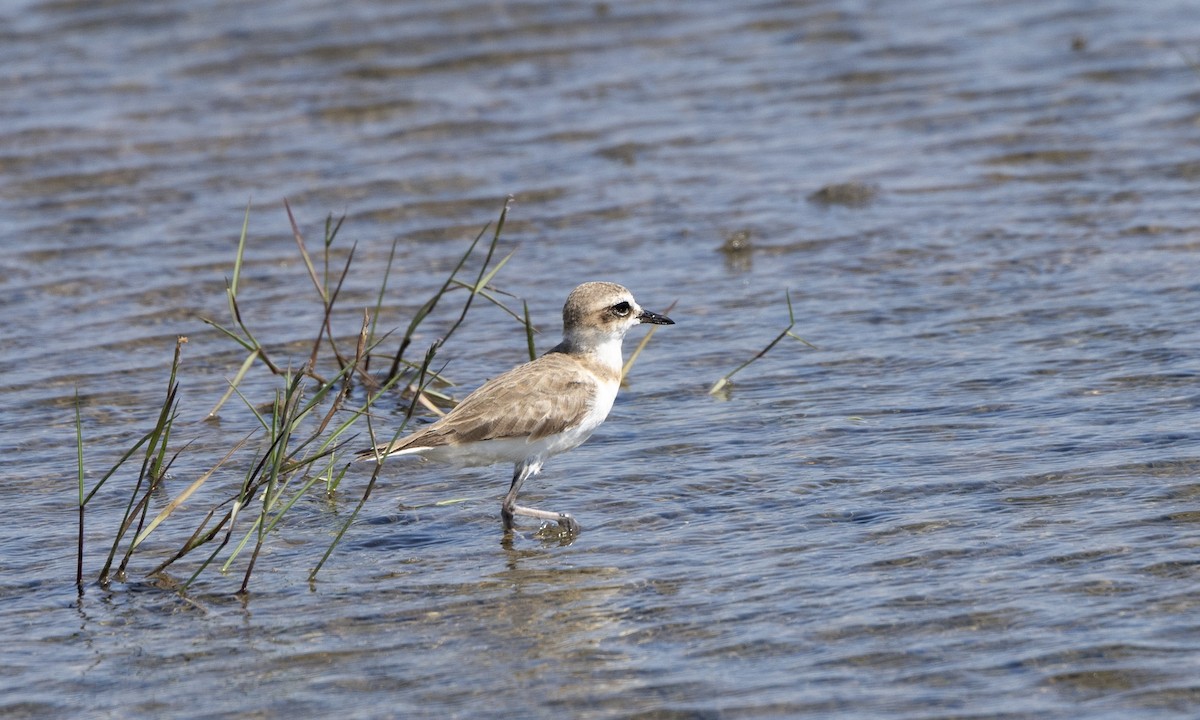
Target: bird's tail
(378,452)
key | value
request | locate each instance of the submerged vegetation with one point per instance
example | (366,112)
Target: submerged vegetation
(318,404)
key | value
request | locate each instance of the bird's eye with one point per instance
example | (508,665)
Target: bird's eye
(621,309)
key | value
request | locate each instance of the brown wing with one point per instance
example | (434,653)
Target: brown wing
(536,399)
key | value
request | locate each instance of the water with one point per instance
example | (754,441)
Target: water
(977,498)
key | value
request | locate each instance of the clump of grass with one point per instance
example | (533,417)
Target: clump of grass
(154,468)
(412,406)
(304,430)
(724,383)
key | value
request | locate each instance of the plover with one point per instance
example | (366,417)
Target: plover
(542,408)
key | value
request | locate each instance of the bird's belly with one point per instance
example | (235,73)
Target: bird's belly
(510,450)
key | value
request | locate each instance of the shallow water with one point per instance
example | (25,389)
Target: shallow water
(980,497)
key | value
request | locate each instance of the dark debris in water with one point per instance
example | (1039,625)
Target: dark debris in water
(850,194)
(737,242)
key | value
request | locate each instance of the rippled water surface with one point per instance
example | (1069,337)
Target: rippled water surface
(978,497)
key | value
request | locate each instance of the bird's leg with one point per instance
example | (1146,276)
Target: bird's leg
(509,507)
(520,472)
(564,520)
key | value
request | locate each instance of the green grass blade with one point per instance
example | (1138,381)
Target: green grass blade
(187,493)
(231,292)
(529,332)
(725,381)
(79,461)
(633,356)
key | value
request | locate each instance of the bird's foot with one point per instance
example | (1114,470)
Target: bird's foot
(566,528)
(565,531)
(567,523)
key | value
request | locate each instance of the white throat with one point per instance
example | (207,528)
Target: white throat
(604,348)
(608,353)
